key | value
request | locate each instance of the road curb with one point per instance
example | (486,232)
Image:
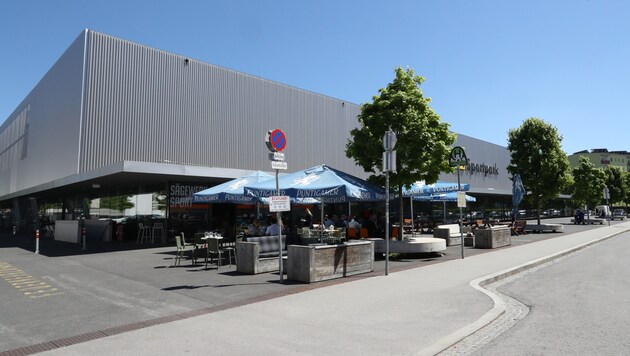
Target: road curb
(499,306)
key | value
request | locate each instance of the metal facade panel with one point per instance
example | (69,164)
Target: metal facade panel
(50,131)
(144,104)
(487,172)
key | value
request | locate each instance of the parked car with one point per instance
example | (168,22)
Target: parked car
(618,214)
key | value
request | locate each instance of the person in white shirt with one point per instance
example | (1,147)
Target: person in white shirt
(274,228)
(354,224)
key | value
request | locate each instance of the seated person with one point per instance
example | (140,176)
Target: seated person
(328,221)
(580,217)
(274,228)
(253,229)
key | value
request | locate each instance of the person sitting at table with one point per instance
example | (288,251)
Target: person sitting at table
(338,222)
(355,225)
(253,229)
(328,222)
(307,220)
(274,228)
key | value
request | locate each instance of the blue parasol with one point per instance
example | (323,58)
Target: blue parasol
(452,196)
(421,188)
(518,192)
(232,191)
(322,182)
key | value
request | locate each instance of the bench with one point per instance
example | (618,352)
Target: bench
(451,233)
(259,254)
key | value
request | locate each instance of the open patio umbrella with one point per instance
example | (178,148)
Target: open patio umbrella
(322,182)
(232,191)
(325,183)
(452,196)
(420,189)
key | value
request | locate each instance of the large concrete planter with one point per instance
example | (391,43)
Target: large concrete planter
(321,262)
(493,237)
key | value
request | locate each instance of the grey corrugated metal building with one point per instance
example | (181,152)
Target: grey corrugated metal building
(112,113)
(112,117)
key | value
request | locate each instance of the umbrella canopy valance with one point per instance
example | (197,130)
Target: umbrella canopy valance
(323,182)
(452,196)
(439,187)
(232,191)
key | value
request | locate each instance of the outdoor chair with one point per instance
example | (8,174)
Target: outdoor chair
(352,233)
(157,232)
(394,234)
(231,249)
(184,240)
(180,251)
(214,250)
(407,225)
(144,233)
(519,227)
(364,233)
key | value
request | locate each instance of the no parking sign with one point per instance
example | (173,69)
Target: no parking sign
(276,140)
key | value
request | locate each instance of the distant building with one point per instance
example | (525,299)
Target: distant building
(601,158)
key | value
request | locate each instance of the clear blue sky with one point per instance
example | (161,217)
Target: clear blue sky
(488,65)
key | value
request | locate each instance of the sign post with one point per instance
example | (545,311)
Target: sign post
(458,158)
(389,165)
(607,196)
(276,142)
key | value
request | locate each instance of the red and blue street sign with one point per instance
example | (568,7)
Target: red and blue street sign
(276,140)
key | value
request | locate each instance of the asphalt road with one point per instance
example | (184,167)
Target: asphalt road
(578,306)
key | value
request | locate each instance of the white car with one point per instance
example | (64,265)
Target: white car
(618,214)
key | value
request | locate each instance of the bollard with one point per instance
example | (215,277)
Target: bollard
(84,238)
(37,241)
(14,230)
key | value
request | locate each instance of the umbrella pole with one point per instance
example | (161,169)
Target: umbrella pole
(321,222)
(413,232)
(444,209)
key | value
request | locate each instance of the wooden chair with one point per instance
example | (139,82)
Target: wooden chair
(394,234)
(407,225)
(519,227)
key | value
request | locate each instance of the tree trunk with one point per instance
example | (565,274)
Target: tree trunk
(538,210)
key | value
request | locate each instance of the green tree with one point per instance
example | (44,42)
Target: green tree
(536,154)
(589,184)
(616,183)
(423,140)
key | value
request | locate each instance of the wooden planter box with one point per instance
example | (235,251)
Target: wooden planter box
(493,238)
(318,263)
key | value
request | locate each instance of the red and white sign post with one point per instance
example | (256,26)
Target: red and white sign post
(276,142)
